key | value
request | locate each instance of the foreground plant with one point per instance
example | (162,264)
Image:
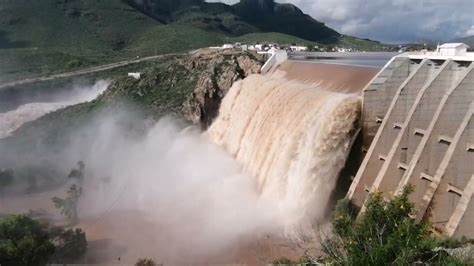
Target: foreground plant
(25,241)
(385,234)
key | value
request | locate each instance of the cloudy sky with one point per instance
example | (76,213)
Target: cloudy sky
(394,21)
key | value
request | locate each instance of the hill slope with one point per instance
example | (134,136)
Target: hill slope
(284,18)
(247,16)
(469,40)
(49,36)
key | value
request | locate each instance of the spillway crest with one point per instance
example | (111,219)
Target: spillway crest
(291,137)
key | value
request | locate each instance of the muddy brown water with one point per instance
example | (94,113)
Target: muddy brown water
(119,237)
(333,77)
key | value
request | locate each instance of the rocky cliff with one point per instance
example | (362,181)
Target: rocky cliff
(189,87)
(222,70)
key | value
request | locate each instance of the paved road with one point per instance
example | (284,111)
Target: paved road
(82,71)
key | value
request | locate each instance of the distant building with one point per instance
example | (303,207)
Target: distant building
(343,50)
(227,46)
(452,49)
(258,47)
(295,48)
(135,75)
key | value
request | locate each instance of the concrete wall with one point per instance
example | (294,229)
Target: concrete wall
(418,129)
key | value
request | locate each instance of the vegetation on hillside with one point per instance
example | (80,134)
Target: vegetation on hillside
(362,44)
(53,36)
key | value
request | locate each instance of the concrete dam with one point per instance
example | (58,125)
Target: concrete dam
(416,129)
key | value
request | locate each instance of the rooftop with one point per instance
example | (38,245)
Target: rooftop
(453,45)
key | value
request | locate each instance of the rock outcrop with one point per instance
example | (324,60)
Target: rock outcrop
(189,87)
(224,68)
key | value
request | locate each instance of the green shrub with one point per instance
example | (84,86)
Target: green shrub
(68,205)
(7,177)
(385,234)
(146,262)
(74,63)
(24,241)
(71,244)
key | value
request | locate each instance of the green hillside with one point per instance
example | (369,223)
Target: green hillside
(362,44)
(44,36)
(74,26)
(49,36)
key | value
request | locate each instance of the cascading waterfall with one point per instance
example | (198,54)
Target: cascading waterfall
(293,138)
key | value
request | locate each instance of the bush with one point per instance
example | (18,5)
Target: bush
(384,234)
(25,241)
(71,244)
(6,178)
(74,63)
(145,262)
(68,205)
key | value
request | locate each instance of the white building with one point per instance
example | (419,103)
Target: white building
(452,49)
(343,50)
(227,46)
(135,75)
(258,47)
(299,48)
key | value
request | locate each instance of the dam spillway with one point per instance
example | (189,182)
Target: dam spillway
(417,129)
(292,138)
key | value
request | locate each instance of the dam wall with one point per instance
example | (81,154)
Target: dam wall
(417,129)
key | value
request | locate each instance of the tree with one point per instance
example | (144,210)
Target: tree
(70,244)
(68,205)
(145,262)
(24,241)
(6,178)
(78,173)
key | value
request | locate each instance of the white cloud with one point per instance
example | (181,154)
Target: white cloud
(393,20)
(469,32)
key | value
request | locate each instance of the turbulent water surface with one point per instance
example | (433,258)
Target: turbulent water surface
(244,191)
(293,138)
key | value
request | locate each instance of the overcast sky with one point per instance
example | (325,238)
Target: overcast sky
(394,21)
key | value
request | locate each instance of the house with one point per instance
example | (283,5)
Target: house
(135,75)
(452,49)
(295,48)
(343,50)
(228,46)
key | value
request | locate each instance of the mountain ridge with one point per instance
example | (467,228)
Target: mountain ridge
(469,40)
(247,16)
(54,36)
